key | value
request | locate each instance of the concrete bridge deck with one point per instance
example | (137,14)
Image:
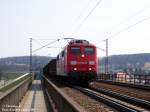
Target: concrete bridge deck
(34,100)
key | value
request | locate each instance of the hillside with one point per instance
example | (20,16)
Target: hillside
(126,62)
(22,63)
(131,62)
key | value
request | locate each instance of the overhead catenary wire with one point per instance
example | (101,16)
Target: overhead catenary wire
(45,45)
(56,47)
(44,39)
(114,35)
(130,17)
(128,27)
(104,50)
(35,40)
(79,16)
(32,35)
(83,10)
(82,22)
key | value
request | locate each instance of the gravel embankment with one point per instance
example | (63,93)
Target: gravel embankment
(142,94)
(86,102)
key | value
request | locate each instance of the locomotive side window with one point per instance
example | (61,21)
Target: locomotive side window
(63,53)
(75,50)
(89,50)
(57,57)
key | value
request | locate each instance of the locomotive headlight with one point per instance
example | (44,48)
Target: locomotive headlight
(91,62)
(73,62)
(82,55)
(75,69)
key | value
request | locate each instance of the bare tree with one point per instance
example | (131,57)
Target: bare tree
(0,75)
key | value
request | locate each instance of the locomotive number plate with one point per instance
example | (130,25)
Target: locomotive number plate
(82,62)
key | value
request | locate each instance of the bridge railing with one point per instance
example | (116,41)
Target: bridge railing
(62,102)
(125,78)
(10,98)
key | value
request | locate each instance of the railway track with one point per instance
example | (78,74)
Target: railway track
(133,92)
(110,101)
(129,99)
(137,86)
(59,102)
(87,103)
(97,95)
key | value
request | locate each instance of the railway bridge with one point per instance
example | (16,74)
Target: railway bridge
(28,94)
(36,93)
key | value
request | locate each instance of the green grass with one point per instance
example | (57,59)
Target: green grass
(9,75)
(14,83)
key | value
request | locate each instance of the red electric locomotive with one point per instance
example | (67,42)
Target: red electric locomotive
(77,61)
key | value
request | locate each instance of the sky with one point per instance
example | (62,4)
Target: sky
(125,23)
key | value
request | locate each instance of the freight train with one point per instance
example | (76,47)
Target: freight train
(76,62)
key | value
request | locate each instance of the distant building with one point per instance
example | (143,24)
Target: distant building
(122,77)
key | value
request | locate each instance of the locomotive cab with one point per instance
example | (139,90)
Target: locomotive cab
(79,61)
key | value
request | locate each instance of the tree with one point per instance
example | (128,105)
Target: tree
(131,71)
(0,75)
(136,71)
(125,70)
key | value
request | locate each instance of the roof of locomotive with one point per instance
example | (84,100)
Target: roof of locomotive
(79,42)
(75,41)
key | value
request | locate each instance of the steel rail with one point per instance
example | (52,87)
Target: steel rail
(110,102)
(137,86)
(129,99)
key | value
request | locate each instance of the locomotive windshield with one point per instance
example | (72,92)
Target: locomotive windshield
(89,50)
(75,50)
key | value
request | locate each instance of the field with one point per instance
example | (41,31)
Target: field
(13,79)
(10,75)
